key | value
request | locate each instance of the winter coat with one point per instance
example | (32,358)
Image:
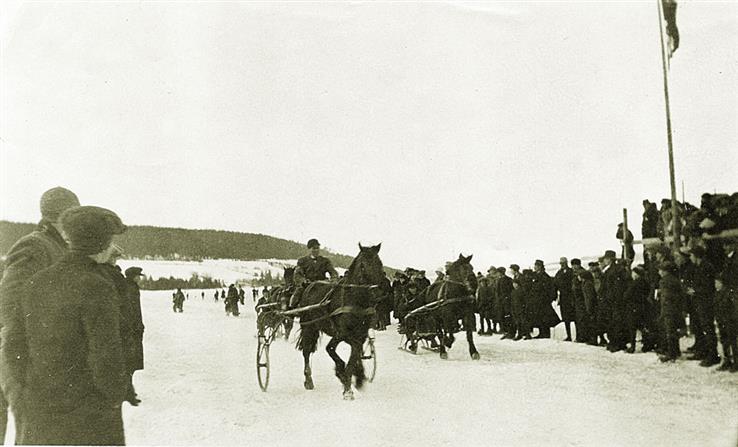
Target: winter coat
(75,378)
(503,292)
(636,301)
(563,281)
(129,327)
(313,269)
(135,354)
(28,256)
(671,296)
(542,293)
(726,314)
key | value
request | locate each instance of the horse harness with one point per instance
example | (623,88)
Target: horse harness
(343,308)
(443,301)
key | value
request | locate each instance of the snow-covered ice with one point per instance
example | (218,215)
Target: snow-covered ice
(200,388)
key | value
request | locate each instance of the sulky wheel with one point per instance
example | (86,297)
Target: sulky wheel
(369,359)
(266,336)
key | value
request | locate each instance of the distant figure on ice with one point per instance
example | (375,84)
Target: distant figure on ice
(178,301)
(222,294)
(241,294)
(254,294)
(203,295)
(216,296)
(312,267)
(231,301)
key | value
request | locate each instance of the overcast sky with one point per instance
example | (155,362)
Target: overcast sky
(511,130)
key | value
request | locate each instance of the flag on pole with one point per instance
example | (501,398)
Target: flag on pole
(671,27)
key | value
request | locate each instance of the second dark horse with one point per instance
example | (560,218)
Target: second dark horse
(344,311)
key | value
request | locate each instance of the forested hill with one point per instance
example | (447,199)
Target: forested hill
(142,242)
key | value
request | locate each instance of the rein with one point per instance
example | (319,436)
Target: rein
(443,300)
(343,308)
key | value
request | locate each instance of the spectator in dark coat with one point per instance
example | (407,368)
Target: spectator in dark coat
(589,321)
(127,320)
(726,304)
(627,241)
(503,295)
(134,354)
(636,298)
(650,220)
(614,278)
(671,296)
(75,378)
(563,281)
(580,309)
(602,319)
(231,301)
(543,293)
(700,285)
(28,256)
(178,300)
(519,298)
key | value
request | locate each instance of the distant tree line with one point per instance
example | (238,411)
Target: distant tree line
(194,282)
(146,242)
(266,279)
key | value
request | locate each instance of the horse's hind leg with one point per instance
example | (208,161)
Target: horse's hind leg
(343,371)
(308,342)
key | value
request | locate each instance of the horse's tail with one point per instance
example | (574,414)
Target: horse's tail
(307,339)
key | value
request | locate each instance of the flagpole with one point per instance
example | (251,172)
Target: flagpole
(674,208)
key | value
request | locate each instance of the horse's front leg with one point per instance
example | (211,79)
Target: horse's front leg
(340,364)
(470,339)
(355,368)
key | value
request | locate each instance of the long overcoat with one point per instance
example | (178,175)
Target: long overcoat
(75,378)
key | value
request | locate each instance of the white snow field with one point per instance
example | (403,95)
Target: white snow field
(200,388)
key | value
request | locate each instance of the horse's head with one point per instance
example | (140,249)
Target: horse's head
(289,276)
(366,268)
(462,271)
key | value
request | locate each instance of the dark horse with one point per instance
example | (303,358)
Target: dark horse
(344,311)
(455,298)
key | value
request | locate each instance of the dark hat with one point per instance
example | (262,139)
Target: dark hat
(539,262)
(610,254)
(514,267)
(55,201)
(313,243)
(576,261)
(593,264)
(501,270)
(132,272)
(90,229)
(491,267)
(640,270)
